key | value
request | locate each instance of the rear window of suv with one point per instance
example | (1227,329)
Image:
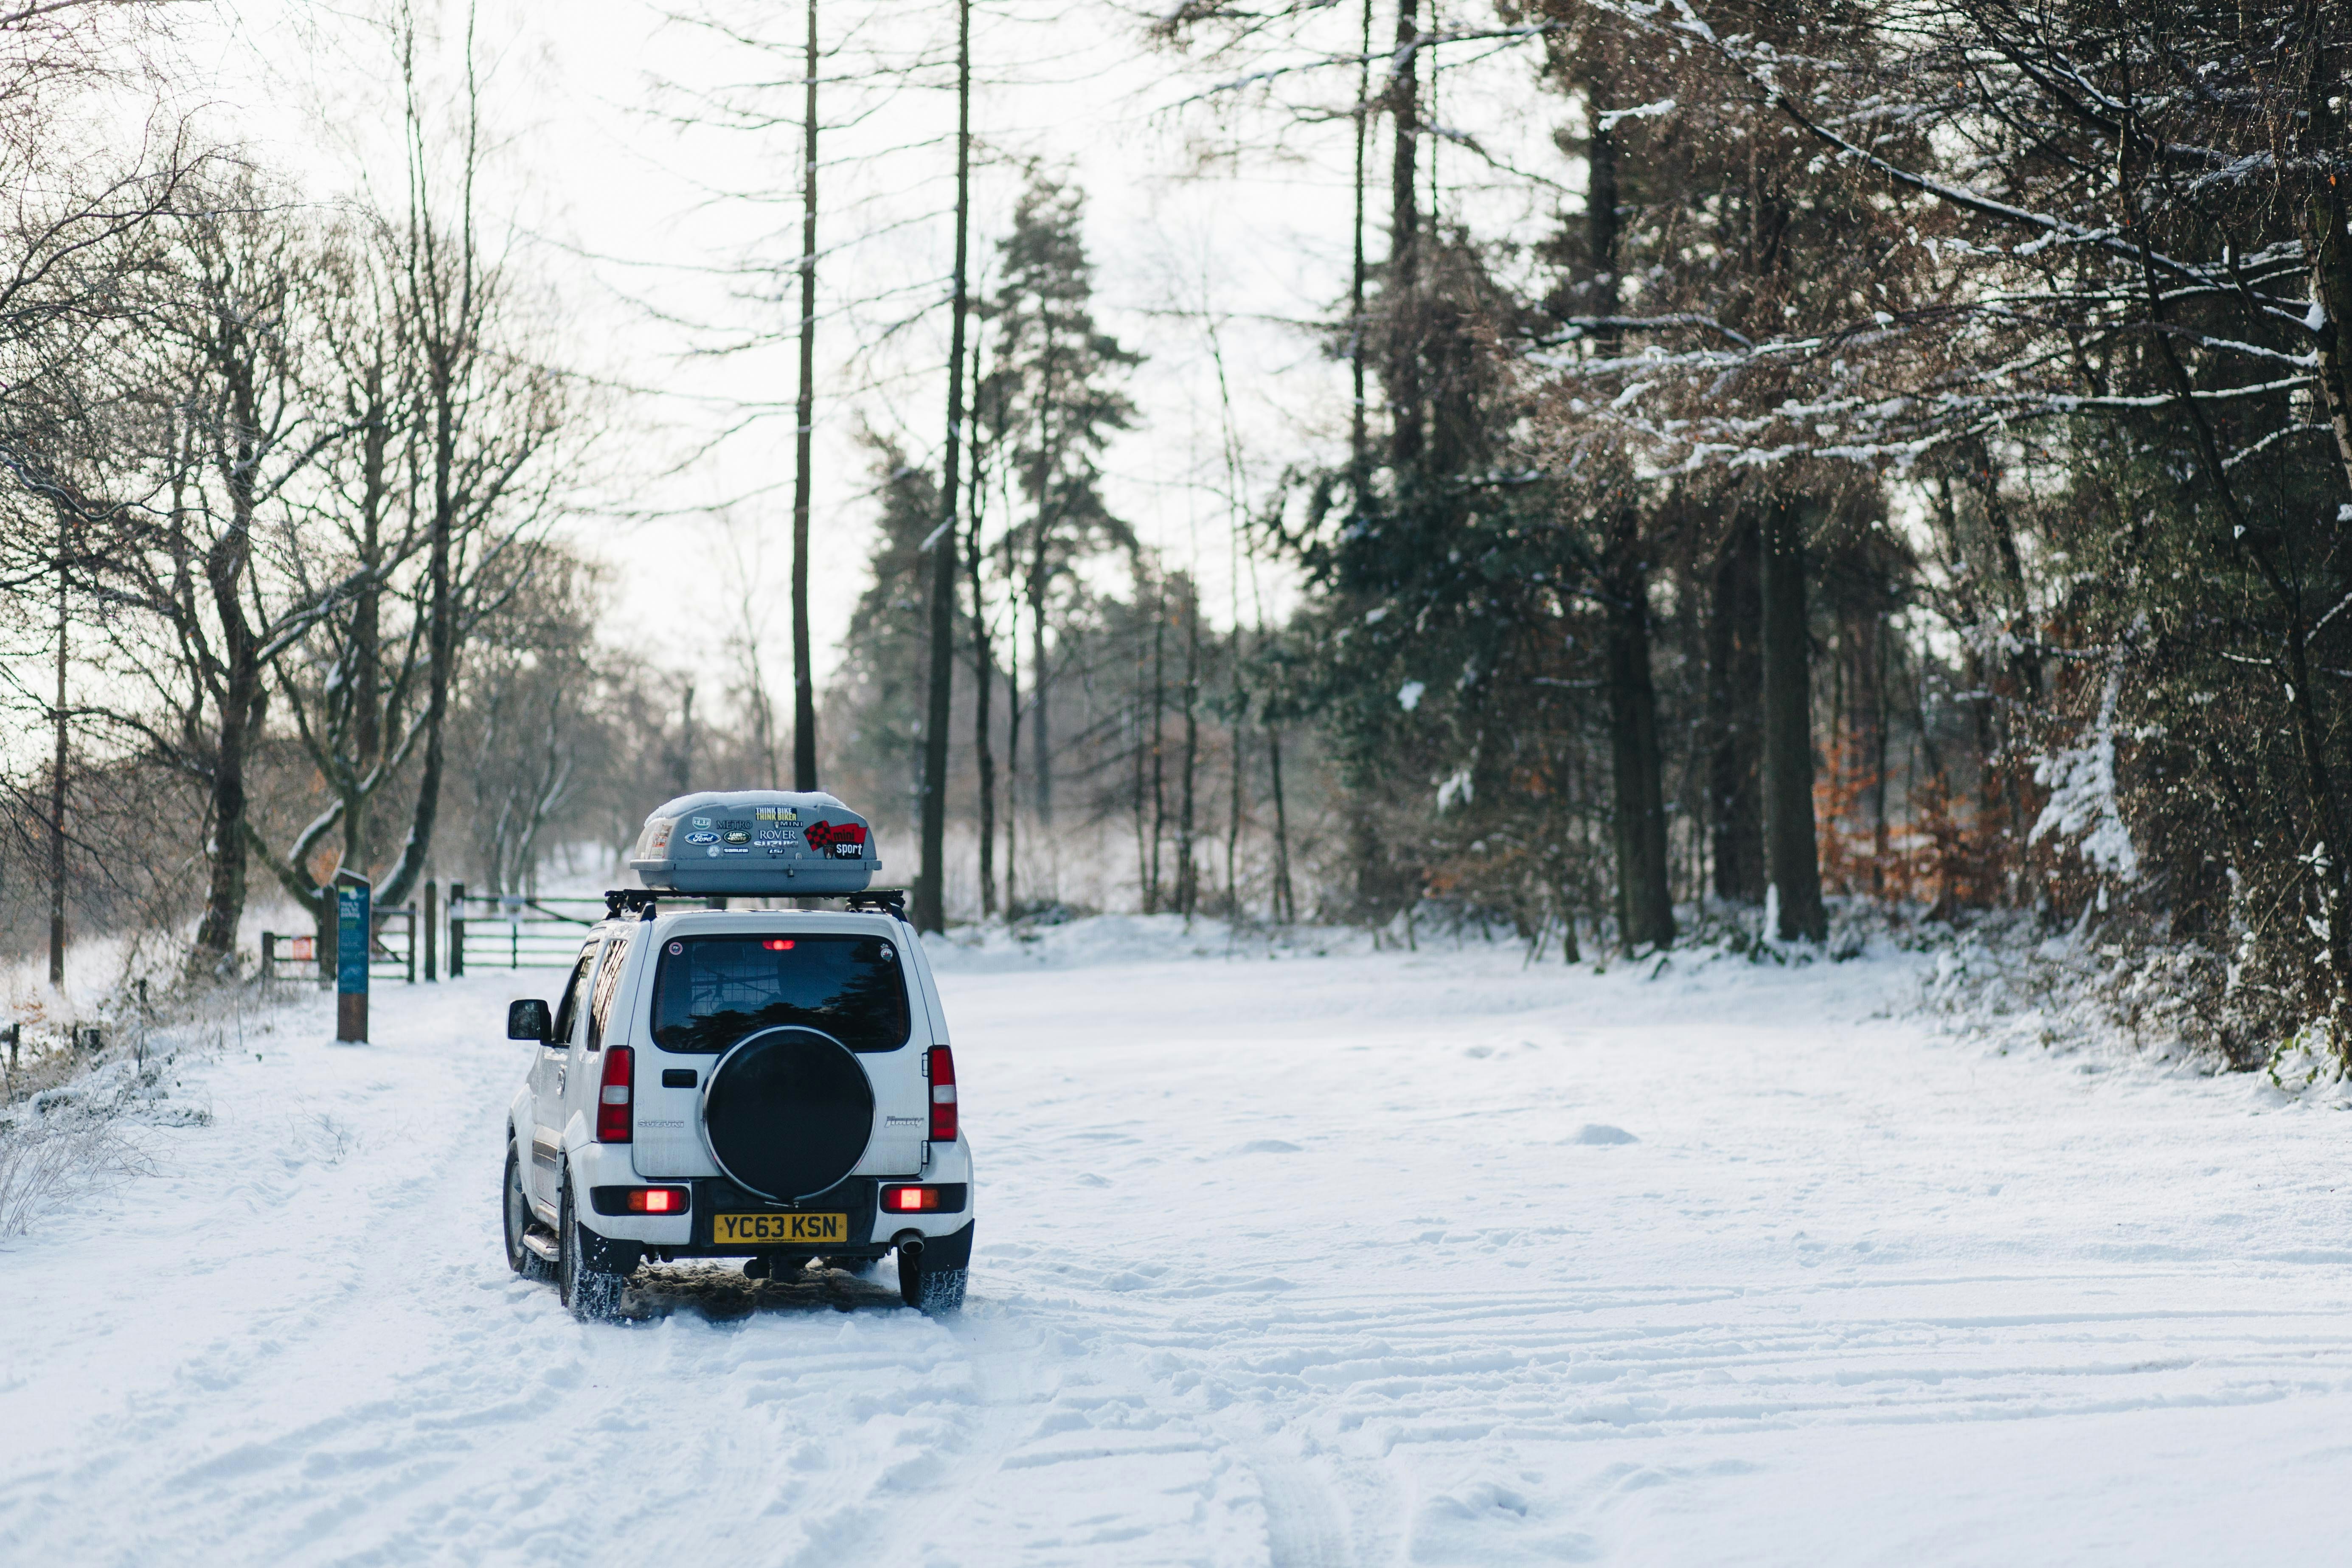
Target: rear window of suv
(711,990)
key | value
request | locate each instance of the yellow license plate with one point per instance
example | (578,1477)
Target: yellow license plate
(766,1229)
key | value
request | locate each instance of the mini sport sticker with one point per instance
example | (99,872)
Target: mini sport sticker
(842,840)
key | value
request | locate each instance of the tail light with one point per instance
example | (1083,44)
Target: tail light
(657,1200)
(909,1200)
(613,1114)
(943,1099)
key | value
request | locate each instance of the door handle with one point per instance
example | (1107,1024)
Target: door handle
(560,1072)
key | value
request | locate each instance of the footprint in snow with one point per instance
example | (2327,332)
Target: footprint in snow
(1269,1146)
(1599,1132)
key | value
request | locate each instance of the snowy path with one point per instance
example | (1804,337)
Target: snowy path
(1320,1261)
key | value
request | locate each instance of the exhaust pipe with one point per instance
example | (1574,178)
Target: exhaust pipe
(909,1243)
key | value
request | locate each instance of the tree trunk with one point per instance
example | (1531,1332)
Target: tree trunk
(2331,287)
(240,693)
(1041,753)
(803,677)
(1135,701)
(1406,432)
(1286,903)
(1235,730)
(1647,900)
(931,885)
(1734,701)
(1791,856)
(1012,742)
(58,784)
(1359,454)
(983,663)
(441,661)
(1188,873)
(1158,758)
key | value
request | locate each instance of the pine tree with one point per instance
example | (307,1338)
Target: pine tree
(1053,402)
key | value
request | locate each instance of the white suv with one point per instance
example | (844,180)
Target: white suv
(772,1084)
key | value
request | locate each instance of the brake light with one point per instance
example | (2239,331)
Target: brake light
(943,1095)
(657,1200)
(779,945)
(613,1116)
(909,1200)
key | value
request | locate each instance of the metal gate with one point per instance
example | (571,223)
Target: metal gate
(513,932)
(393,948)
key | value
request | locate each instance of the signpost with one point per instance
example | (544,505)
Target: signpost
(352,932)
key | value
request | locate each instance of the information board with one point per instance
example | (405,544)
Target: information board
(352,932)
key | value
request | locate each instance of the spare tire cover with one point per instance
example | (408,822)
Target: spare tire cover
(788,1112)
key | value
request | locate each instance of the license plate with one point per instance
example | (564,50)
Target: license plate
(765,1229)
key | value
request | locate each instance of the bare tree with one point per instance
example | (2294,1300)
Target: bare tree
(931,911)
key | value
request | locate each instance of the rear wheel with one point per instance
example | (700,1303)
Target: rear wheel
(934,1292)
(516,1206)
(591,1276)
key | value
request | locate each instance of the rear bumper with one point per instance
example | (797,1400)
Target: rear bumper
(868,1233)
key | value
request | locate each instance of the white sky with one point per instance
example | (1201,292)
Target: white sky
(636,219)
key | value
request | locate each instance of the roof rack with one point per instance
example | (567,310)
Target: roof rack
(640,902)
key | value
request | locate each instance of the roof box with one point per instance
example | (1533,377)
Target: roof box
(756,842)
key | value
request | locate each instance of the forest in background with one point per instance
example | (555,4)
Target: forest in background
(1913,465)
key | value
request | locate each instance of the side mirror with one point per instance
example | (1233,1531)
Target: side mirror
(528,1020)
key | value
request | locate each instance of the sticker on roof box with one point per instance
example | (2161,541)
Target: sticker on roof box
(736,836)
(702,822)
(842,837)
(777,814)
(702,835)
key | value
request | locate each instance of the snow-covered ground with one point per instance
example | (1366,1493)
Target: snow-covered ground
(1372,1258)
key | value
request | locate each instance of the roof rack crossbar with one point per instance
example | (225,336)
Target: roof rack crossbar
(641,901)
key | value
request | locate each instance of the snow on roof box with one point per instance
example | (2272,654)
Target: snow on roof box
(756,841)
